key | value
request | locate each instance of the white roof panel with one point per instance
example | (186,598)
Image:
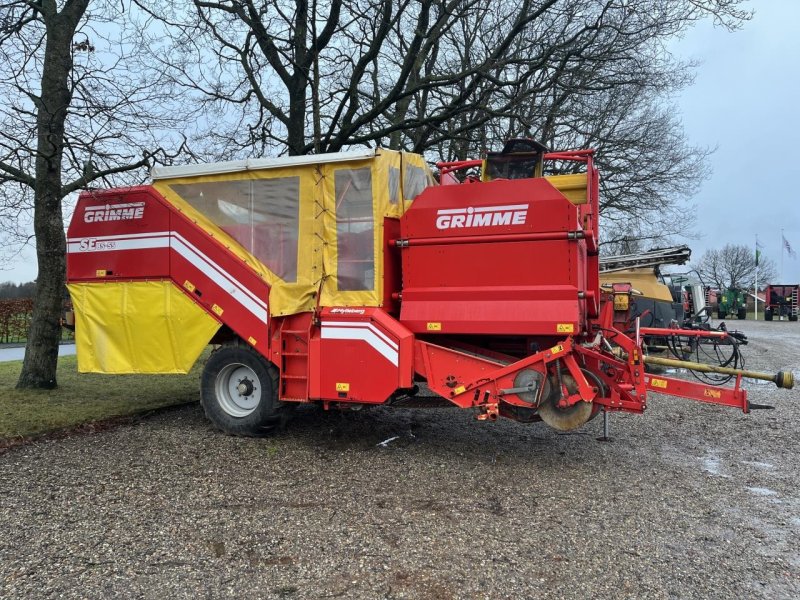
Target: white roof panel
(253,164)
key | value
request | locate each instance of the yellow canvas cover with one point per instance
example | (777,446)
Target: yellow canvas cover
(138,327)
(326,211)
(573,186)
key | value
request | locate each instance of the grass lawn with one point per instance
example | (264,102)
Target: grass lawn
(84,398)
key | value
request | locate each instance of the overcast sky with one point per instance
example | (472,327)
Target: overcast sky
(745,102)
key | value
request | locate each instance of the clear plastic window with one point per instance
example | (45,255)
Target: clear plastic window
(394,185)
(415,179)
(354,229)
(262,215)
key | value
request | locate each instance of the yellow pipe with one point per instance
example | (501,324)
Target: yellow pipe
(783,379)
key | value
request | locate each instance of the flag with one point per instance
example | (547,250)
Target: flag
(759,248)
(788,247)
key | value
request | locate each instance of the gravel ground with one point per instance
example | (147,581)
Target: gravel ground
(686,501)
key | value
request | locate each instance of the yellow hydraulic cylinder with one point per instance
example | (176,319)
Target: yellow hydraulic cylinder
(783,379)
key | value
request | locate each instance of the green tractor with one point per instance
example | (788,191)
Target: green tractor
(732,301)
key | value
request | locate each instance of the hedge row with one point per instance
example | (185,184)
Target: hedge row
(15,319)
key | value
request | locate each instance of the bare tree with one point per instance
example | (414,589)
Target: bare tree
(454,78)
(734,266)
(79,104)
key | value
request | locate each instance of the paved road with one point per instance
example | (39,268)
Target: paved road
(18,352)
(688,501)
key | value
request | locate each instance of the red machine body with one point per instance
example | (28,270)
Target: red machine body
(135,234)
(782,300)
(491,299)
(457,276)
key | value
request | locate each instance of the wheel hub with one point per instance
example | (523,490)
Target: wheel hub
(245,387)
(238,390)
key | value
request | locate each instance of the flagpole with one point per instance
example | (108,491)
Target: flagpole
(782,248)
(755,294)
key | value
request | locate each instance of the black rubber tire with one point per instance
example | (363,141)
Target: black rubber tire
(741,314)
(793,317)
(269,412)
(768,315)
(721,314)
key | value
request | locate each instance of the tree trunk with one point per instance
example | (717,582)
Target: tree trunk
(298,87)
(41,352)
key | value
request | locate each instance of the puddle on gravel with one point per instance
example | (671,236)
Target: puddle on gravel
(762,491)
(758,465)
(712,464)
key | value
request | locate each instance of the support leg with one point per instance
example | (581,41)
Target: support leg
(605,437)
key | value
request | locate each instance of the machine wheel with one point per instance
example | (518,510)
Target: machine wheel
(239,391)
(741,314)
(721,314)
(768,315)
(565,419)
(793,317)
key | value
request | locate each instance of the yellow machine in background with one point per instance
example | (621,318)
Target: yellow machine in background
(654,301)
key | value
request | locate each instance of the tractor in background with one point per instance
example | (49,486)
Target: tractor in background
(732,301)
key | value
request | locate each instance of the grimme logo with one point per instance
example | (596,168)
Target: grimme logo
(113,212)
(481,216)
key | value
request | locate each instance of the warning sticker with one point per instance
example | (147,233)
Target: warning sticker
(434,326)
(658,383)
(565,328)
(342,387)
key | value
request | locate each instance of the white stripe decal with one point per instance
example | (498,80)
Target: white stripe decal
(166,239)
(103,245)
(115,206)
(177,237)
(124,236)
(363,334)
(498,208)
(481,209)
(218,276)
(369,326)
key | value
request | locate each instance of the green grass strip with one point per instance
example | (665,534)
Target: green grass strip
(84,398)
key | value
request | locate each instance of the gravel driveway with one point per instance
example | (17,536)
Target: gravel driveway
(686,501)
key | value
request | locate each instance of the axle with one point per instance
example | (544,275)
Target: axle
(783,379)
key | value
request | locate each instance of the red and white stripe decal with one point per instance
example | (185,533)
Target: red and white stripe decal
(366,332)
(172,239)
